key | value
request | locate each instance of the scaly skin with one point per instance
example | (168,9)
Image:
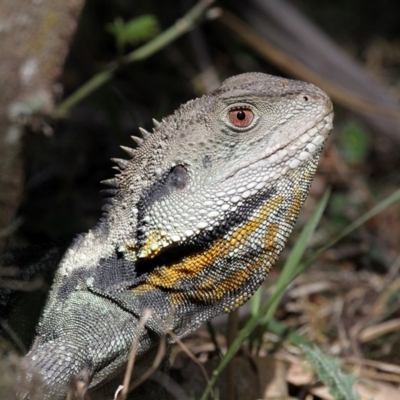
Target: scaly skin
(197,219)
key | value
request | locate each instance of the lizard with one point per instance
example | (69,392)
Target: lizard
(196,218)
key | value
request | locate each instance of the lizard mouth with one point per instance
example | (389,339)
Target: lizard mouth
(292,152)
(316,134)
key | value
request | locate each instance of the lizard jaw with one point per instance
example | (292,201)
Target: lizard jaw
(306,144)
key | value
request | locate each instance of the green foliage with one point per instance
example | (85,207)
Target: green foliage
(182,26)
(134,31)
(354,144)
(288,270)
(265,313)
(267,309)
(329,372)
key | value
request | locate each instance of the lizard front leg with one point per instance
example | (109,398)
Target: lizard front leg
(88,334)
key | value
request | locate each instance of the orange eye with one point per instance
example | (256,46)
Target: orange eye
(241,117)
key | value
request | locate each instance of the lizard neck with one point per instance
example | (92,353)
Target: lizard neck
(231,261)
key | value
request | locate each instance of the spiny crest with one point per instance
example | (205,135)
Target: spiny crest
(145,134)
(107,207)
(110,182)
(140,140)
(128,150)
(137,140)
(122,165)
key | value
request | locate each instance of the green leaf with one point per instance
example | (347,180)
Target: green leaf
(136,30)
(267,310)
(329,372)
(354,144)
(382,205)
(280,287)
(255,301)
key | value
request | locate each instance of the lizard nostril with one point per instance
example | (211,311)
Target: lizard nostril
(305,98)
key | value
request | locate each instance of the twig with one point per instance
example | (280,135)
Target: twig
(189,354)
(129,367)
(22,286)
(383,366)
(7,328)
(181,26)
(373,332)
(393,270)
(156,363)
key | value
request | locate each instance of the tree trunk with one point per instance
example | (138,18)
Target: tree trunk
(34,41)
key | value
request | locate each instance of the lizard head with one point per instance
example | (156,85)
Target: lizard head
(215,153)
(210,197)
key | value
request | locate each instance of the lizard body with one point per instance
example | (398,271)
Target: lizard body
(196,220)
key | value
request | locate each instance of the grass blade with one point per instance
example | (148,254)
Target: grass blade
(283,281)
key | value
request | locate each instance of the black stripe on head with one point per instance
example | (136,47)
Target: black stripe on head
(204,239)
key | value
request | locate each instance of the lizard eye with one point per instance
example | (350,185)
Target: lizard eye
(241,117)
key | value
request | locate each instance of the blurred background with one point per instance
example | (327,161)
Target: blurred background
(348,301)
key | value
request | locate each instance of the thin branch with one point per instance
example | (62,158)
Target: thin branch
(7,328)
(22,286)
(156,363)
(129,367)
(181,26)
(189,354)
